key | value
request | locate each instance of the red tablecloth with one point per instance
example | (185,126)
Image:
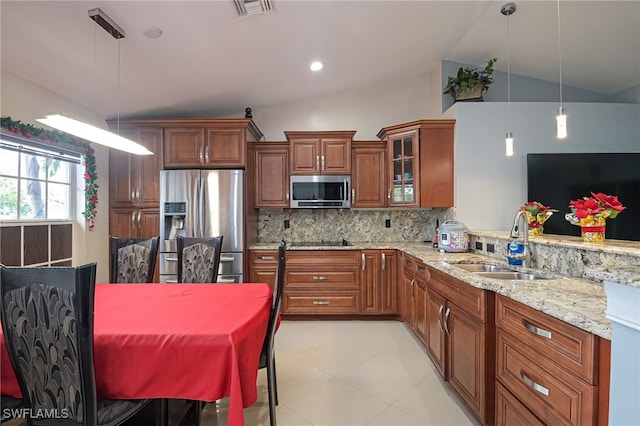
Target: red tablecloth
(191,341)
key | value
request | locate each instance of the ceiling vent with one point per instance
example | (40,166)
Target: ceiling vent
(252,7)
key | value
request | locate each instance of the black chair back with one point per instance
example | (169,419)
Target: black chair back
(198,259)
(47,321)
(133,260)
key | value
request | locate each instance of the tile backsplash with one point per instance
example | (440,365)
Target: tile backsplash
(351,225)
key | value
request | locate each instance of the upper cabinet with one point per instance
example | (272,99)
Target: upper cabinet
(135,179)
(314,153)
(216,143)
(368,174)
(270,179)
(420,163)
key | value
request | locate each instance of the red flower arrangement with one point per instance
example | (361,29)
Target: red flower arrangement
(591,214)
(537,214)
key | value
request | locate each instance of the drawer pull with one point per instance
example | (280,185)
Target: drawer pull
(266,257)
(536,330)
(446,321)
(320,302)
(533,385)
(320,277)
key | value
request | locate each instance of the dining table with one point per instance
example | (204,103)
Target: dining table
(198,342)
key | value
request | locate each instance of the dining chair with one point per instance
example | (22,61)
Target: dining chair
(198,259)
(47,321)
(10,407)
(267,356)
(133,260)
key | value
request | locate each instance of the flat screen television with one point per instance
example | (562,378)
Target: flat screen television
(556,179)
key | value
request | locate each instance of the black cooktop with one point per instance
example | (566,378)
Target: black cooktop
(319,243)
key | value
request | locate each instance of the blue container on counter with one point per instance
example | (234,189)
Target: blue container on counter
(514,249)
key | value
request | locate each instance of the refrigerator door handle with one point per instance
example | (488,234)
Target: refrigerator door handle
(201,207)
(196,208)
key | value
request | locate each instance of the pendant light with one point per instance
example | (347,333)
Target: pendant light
(561,116)
(87,131)
(507,10)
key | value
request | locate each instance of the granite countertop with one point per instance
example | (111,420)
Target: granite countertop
(622,274)
(578,302)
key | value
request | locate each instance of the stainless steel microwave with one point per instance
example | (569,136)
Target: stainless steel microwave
(320,191)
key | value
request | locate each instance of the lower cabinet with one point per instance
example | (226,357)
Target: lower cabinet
(460,340)
(414,295)
(555,372)
(262,266)
(322,282)
(378,278)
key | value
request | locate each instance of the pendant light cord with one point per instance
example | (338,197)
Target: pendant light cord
(508,74)
(560,52)
(118,93)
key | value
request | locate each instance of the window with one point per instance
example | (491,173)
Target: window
(35,183)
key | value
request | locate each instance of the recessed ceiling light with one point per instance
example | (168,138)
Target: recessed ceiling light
(316,66)
(152,32)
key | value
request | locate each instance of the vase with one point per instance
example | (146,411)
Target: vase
(471,94)
(536,232)
(593,233)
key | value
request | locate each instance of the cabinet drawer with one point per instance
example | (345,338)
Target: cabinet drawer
(551,393)
(473,300)
(422,271)
(263,257)
(320,279)
(569,346)
(321,303)
(408,264)
(323,257)
(511,412)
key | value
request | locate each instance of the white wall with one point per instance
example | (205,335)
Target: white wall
(25,101)
(490,187)
(367,110)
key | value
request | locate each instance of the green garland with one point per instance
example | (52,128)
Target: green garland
(90,176)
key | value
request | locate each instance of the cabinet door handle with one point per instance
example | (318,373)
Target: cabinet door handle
(536,330)
(384,261)
(320,302)
(446,321)
(266,257)
(133,195)
(533,385)
(363,261)
(353,194)
(322,162)
(318,162)
(440,317)
(133,218)
(206,154)
(201,155)
(320,277)
(286,195)
(139,219)
(389,195)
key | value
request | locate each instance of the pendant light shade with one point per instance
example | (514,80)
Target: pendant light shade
(93,134)
(561,117)
(561,123)
(509,144)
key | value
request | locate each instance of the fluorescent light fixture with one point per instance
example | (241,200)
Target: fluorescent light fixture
(561,123)
(509,144)
(93,134)
(316,66)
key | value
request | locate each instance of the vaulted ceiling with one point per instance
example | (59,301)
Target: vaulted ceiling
(209,62)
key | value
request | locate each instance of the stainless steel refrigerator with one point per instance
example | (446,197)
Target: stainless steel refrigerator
(202,203)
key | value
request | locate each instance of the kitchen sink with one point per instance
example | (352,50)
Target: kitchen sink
(482,267)
(511,275)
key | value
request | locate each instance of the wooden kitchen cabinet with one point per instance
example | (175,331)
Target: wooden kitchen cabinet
(558,373)
(460,340)
(134,180)
(262,266)
(378,282)
(216,143)
(271,178)
(315,153)
(414,295)
(319,282)
(368,174)
(420,163)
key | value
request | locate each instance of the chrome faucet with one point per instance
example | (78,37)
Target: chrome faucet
(516,230)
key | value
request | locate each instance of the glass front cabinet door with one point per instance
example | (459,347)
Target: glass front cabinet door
(404,156)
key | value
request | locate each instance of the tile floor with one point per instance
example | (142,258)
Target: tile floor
(349,373)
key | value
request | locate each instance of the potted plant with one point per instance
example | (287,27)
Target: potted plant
(470,83)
